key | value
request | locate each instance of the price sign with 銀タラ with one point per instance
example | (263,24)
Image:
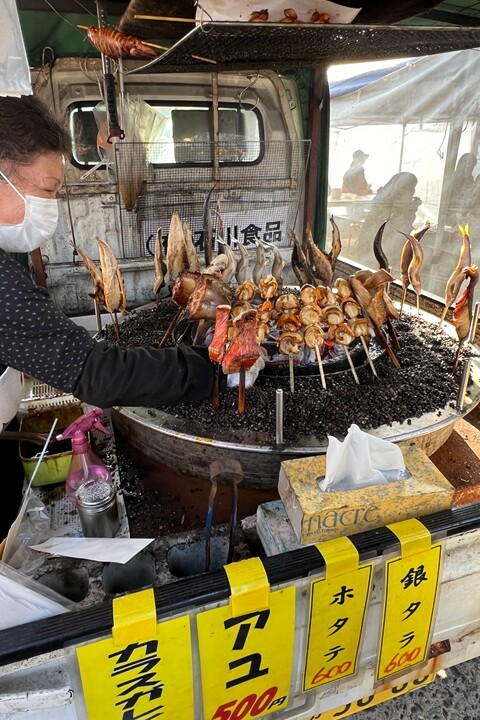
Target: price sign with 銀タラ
(410,598)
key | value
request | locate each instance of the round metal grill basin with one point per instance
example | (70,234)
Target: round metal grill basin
(183,445)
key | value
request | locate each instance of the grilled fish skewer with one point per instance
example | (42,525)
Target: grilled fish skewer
(462,314)
(457,277)
(243,264)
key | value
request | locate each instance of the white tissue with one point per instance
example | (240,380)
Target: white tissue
(361,460)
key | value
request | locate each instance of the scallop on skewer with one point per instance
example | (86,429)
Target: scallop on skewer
(343,336)
(314,338)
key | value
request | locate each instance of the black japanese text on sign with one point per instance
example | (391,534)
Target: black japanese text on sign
(134,674)
(338,607)
(410,597)
(246,647)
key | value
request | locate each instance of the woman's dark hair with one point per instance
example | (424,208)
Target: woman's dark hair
(28,129)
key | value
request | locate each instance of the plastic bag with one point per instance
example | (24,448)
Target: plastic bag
(14,69)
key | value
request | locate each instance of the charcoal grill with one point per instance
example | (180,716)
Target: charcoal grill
(190,450)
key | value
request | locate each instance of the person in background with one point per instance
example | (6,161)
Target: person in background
(354,180)
(396,203)
(36,338)
(462,195)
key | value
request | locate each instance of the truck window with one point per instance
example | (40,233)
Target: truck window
(185,136)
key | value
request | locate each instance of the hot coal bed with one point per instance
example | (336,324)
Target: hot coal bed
(424,383)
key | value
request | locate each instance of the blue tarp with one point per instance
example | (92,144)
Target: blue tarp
(348,85)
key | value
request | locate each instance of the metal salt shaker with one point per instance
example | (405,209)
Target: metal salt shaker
(98,508)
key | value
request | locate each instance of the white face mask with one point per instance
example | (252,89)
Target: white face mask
(38,226)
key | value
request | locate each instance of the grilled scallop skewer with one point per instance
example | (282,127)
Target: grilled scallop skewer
(289,344)
(340,332)
(314,338)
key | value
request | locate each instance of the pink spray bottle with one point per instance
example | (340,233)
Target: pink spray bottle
(85,466)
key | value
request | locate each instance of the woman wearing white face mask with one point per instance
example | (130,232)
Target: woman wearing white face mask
(35,337)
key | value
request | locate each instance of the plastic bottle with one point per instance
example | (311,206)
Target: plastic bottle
(85,466)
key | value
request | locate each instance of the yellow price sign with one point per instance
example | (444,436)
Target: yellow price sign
(338,608)
(246,660)
(148,678)
(410,597)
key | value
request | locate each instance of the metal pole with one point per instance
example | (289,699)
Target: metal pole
(474,323)
(279,416)
(463,385)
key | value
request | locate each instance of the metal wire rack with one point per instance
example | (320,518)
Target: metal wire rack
(253,187)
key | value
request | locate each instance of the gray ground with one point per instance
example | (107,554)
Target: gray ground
(453,697)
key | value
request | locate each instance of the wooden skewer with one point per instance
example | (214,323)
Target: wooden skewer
(154,45)
(418,305)
(404,295)
(83,27)
(164,19)
(241,391)
(457,357)
(320,366)
(216,388)
(354,372)
(292,375)
(204,59)
(369,358)
(393,335)
(170,328)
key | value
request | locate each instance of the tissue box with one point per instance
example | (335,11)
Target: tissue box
(318,516)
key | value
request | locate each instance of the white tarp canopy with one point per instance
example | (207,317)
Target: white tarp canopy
(417,126)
